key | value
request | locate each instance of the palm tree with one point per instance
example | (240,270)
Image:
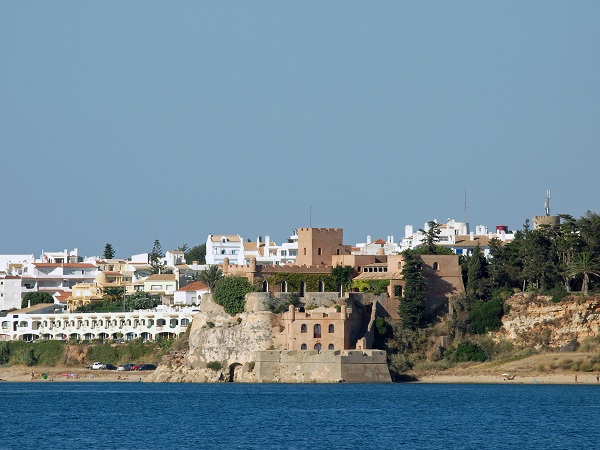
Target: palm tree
(210,276)
(586,265)
(113,293)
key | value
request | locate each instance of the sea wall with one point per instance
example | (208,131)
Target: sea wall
(352,366)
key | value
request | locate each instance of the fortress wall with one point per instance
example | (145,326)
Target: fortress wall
(367,366)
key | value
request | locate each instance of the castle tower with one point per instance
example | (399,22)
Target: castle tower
(316,246)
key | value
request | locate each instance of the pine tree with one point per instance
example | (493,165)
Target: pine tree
(155,257)
(415,290)
(109,252)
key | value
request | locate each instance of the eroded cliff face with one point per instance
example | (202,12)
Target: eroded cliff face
(537,321)
(220,338)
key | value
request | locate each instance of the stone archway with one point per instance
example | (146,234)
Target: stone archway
(235,372)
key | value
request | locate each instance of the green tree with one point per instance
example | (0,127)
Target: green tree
(586,266)
(36,298)
(113,293)
(197,253)
(210,276)
(432,237)
(589,227)
(139,300)
(155,257)
(478,284)
(109,252)
(415,290)
(230,293)
(342,275)
(486,316)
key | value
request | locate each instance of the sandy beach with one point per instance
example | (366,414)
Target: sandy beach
(68,374)
(555,378)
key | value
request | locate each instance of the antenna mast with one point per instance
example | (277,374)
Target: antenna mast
(465,206)
(547,204)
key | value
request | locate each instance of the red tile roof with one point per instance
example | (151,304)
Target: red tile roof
(195,286)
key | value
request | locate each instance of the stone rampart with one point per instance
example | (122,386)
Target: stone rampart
(366,366)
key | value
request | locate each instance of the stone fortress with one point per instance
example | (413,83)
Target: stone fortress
(326,337)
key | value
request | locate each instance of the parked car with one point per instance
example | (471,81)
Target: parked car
(98,366)
(109,367)
(146,367)
(126,367)
(136,367)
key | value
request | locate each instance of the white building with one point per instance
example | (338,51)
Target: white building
(10,292)
(456,236)
(377,247)
(268,253)
(219,247)
(190,294)
(32,324)
(54,277)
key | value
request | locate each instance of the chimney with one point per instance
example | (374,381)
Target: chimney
(368,240)
(471,236)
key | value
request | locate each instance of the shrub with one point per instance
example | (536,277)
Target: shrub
(486,316)
(4,352)
(49,353)
(230,293)
(214,365)
(466,351)
(251,365)
(35,298)
(22,353)
(558,293)
(381,326)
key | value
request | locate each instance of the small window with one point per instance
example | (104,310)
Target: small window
(304,251)
(318,346)
(303,328)
(331,328)
(330,347)
(317,331)
(303,347)
(320,251)
(435,266)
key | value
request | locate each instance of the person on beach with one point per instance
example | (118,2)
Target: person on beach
(32,376)
(597,378)
(575,378)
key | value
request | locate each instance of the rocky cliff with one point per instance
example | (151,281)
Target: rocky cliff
(217,338)
(537,321)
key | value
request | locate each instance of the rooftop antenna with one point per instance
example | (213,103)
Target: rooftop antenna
(465,206)
(547,204)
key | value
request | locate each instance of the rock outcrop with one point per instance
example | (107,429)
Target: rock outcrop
(537,321)
(219,339)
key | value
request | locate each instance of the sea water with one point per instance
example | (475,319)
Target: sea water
(81,415)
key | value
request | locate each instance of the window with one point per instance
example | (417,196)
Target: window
(305,251)
(330,347)
(435,266)
(331,328)
(318,346)
(317,331)
(303,347)
(155,287)
(319,251)
(303,328)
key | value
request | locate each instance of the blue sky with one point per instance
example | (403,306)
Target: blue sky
(125,121)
